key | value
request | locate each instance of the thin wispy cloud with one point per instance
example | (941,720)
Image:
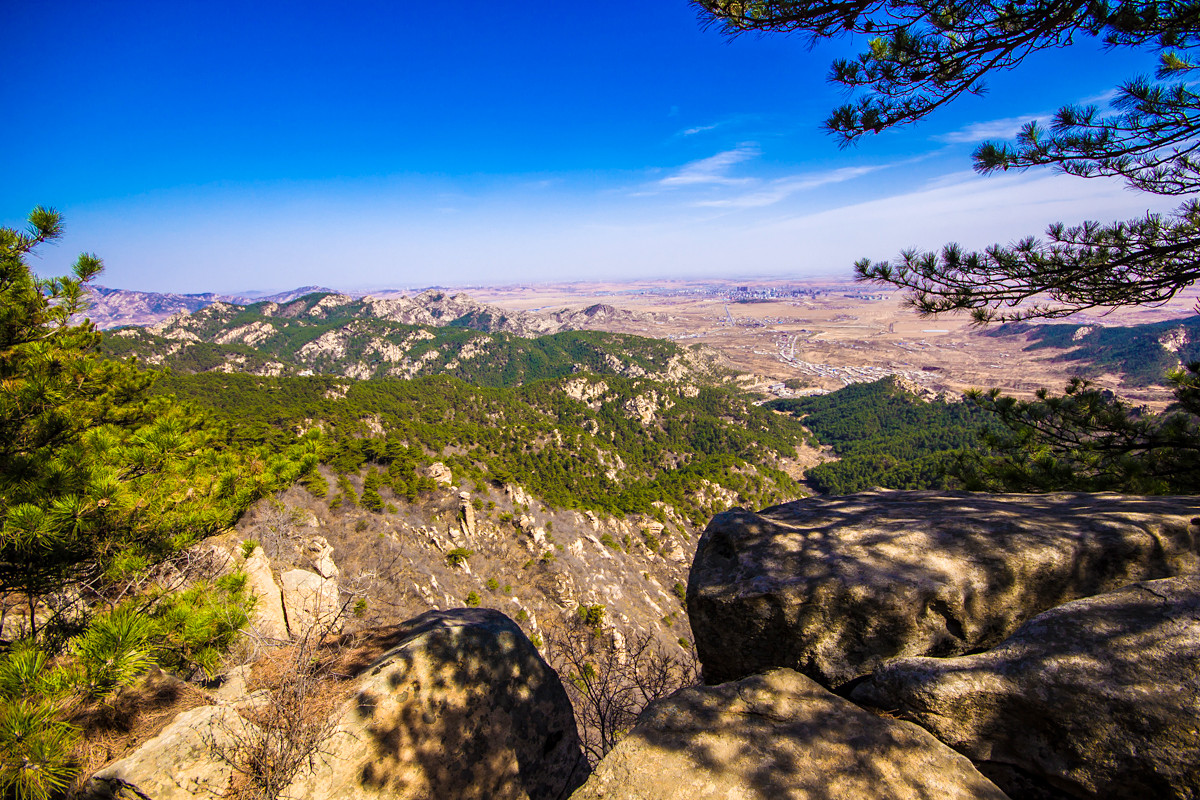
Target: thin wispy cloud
(752,121)
(1102,99)
(991,129)
(713,170)
(780,189)
(1009,127)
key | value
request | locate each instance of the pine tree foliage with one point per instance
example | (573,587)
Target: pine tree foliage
(1086,439)
(921,55)
(98,479)
(100,482)
(885,437)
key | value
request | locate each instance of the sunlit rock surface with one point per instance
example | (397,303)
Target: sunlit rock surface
(778,735)
(834,587)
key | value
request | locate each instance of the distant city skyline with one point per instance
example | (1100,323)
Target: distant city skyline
(208,147)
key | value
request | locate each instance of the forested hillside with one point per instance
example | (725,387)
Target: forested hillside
(1142,354)
(885,437)
(431,334)
(610,444)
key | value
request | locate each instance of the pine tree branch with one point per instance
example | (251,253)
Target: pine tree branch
(1144,261)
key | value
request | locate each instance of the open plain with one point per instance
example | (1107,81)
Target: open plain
(823,334)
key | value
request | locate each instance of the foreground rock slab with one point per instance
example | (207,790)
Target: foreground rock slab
(778,735)
(834,587)
(462,706)
(1098,698)
(177,764)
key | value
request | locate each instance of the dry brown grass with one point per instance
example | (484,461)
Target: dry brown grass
(115,728)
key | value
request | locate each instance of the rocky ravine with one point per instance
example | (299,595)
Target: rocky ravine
(502,549)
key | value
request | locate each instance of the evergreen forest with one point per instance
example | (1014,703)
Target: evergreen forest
(595,454)
(1143,355)
(886,437)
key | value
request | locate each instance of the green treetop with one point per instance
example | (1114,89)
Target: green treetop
(98,479)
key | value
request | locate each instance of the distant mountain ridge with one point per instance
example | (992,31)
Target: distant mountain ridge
(433,333)
(115,308)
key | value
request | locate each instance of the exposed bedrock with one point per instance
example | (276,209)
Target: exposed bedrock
(778,735)
(1098,698)
(458,705)
(461,706)
(835,587)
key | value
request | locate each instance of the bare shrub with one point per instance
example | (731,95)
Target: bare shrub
(276,529)
(289,731)
(611,678)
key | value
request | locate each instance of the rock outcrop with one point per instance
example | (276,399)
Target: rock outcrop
(834,587)
(462,706)
(310,600)
(178,764)
(440,473)
(268,616)
(459,705)
(1098,698)
(773,736)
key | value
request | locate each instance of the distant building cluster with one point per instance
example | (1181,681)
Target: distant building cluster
(751,294)
(743,294)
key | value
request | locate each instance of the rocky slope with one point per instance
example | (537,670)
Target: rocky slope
(350,576)
(1091,698)
(498,548)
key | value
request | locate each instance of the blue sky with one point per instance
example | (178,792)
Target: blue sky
(214,146)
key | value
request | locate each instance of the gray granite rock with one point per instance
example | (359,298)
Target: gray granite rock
(1098,698)
(463,706)
(775,736)
(834,587)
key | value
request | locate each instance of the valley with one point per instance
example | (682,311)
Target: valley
(839,332)
(555,454)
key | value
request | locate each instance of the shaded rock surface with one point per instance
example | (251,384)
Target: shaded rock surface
(834,587)
(1098,698)
(462,706)
(778,735)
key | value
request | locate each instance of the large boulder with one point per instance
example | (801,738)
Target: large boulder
(180,763)
(461,706)
(310,600)
(1098,698)
(268,616)
(834,587)
(778,735)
